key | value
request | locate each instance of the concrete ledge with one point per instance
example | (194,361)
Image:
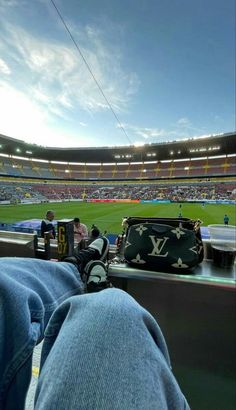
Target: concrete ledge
(18,244)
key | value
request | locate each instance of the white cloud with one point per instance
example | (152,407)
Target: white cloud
(185,126)
(184,122)
(52,83)
(150,132)
(9,6)
(4,67)
(23,118)
(155,135)
(144,132)
(59,71)
(18,114)
(9,3)
(63,100)
(39,95)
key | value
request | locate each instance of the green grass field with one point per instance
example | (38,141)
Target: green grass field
(108,216)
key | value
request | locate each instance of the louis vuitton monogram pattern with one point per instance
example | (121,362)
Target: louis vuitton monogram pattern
(157,247)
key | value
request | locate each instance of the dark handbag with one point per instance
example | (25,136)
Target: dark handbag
(163,244)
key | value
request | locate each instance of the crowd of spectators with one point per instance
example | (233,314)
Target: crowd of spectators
(174,192)
(18,192)
(171,192)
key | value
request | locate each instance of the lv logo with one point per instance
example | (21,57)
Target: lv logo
(158,245)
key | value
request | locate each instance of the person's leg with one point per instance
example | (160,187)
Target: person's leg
(98,249)
(104,351)
(30,290)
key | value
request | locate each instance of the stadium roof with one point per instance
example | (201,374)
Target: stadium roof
(209,146)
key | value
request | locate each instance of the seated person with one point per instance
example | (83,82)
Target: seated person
(101,350)
(94,234)
(47,225)
(80,230)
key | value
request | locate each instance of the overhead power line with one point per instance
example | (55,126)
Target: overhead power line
(90,70)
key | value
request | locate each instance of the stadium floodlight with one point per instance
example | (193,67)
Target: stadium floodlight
(181,160)
(217,156)
(76,163)
(151,154)
(197,149)
(201,149)
(40,160)
(22,158)
(198,158)
(58,162)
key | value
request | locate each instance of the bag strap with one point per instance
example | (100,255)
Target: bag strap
(132,220)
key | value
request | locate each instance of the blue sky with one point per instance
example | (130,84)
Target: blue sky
(167,68)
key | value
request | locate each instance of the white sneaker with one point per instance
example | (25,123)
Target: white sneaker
(96,273)
(102,246)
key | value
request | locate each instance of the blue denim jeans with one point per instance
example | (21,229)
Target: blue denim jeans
(100,351)
(30,291)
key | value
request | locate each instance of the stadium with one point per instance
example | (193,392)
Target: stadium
(117,205)
(130,179)
(104,185)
